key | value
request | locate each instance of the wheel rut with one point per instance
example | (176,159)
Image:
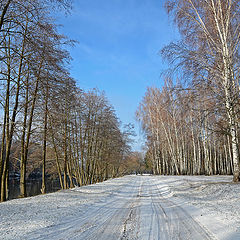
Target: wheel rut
(138,211)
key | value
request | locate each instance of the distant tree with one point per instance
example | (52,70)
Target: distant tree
(184,132)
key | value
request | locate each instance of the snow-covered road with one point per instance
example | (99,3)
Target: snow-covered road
(132,207)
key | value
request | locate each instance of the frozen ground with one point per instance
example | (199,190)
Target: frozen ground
(132,207)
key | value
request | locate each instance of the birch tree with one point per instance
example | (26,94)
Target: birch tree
(209,48)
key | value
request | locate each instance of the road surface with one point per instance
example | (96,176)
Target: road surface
(137,209)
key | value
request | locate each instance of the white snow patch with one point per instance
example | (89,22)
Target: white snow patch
(137,205)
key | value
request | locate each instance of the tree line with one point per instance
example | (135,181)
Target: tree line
(192,122)
(47,122)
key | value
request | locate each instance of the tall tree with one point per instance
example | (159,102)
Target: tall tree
(209,48)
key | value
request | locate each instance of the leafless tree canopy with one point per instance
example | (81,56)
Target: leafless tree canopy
(49,126)
(203,100)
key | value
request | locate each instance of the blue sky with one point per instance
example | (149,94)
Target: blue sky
(119,42)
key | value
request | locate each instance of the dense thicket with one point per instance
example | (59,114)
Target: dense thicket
(47,123)
(192,123)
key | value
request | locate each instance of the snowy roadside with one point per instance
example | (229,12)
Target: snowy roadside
(19,217)
(208,198)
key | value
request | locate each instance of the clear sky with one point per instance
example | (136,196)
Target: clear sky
(118,49)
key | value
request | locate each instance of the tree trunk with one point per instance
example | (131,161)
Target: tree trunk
(43,189)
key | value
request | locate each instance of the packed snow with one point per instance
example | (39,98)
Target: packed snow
(131,207)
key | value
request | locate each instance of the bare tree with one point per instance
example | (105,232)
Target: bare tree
(210,48)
